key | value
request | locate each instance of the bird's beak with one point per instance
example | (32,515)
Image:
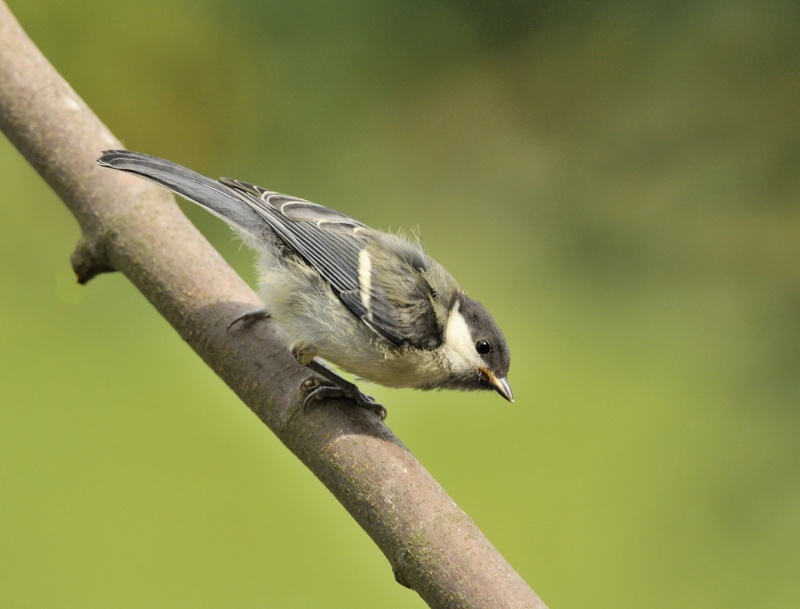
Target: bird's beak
(500,385)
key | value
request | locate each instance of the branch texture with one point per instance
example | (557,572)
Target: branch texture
(135,228)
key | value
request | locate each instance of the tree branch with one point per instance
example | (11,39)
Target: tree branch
(135,228)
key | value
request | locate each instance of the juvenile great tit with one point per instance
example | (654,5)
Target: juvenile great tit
(373,303)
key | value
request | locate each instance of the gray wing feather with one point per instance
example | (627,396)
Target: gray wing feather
(325,239)
(399,307)
(306,228)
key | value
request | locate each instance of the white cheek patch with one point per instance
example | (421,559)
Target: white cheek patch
(459,347)
(365,279)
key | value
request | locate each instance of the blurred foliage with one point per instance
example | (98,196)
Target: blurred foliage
(618,182)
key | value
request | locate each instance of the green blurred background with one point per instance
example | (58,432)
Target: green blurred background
(618,182)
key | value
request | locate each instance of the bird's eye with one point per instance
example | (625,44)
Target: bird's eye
(483,347)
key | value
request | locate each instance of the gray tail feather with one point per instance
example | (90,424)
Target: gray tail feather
(217,198)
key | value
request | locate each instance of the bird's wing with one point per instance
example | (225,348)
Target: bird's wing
(379,278)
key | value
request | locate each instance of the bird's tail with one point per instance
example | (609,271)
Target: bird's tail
(217,198)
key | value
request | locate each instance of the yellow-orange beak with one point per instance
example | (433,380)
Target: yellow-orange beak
(499,384)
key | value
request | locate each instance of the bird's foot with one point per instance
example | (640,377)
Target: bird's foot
(249,316)
(318,391)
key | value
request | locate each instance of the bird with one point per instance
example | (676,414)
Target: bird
(370,302)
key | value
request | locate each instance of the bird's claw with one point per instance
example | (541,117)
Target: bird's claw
(322,391)
(249,317)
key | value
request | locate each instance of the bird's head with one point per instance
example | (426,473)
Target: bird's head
(475,349)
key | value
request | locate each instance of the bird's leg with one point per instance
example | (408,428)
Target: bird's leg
(340,388)
(249,317)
